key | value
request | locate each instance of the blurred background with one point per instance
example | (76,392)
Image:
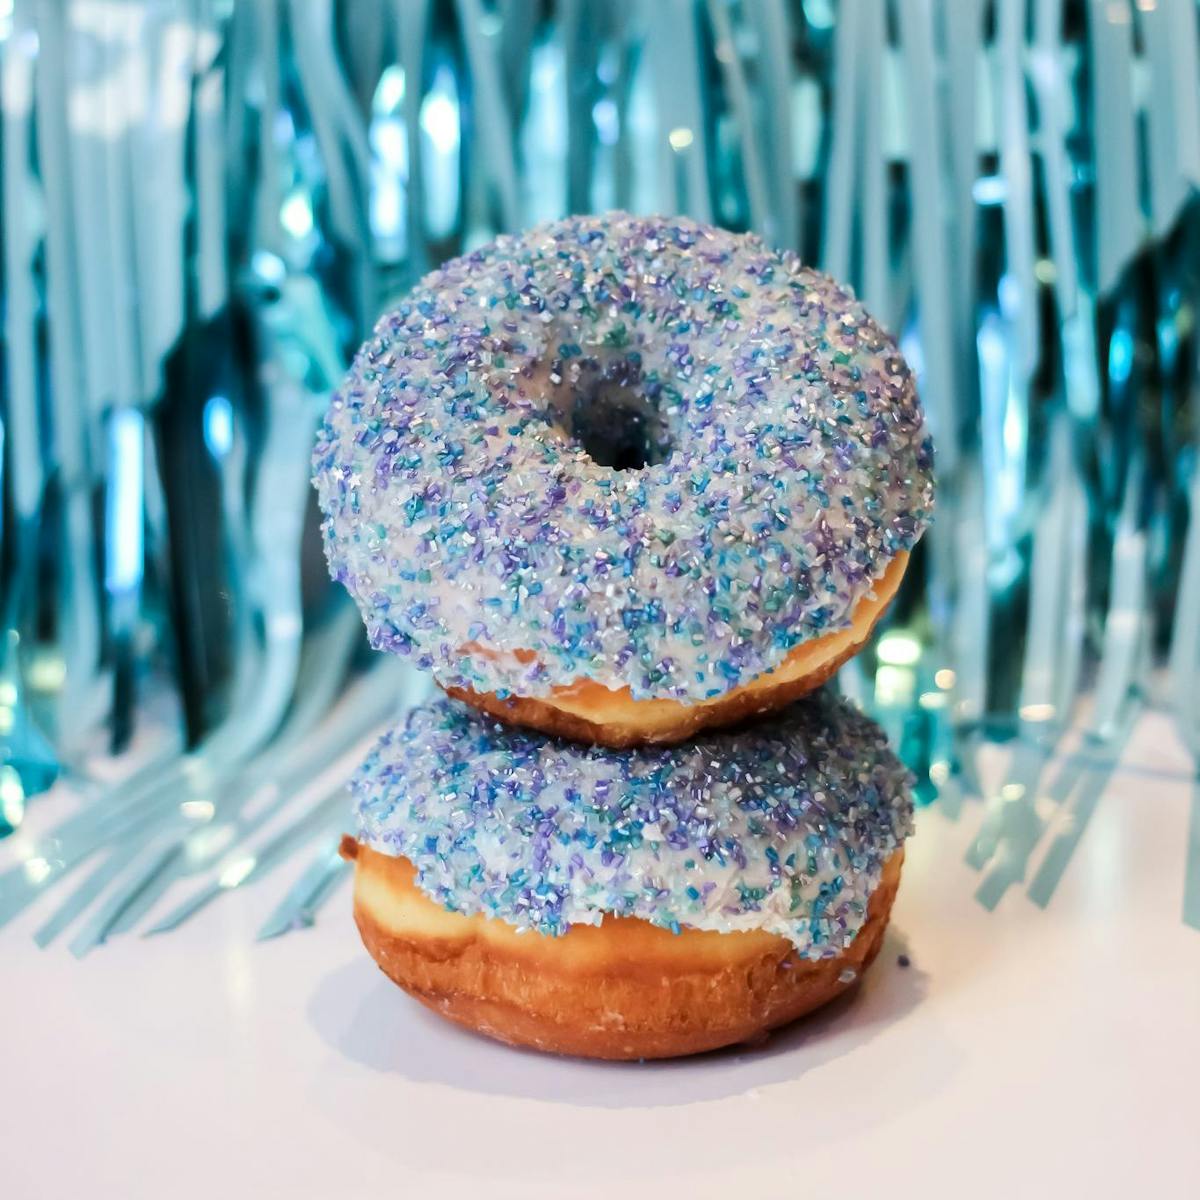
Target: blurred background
(207,203)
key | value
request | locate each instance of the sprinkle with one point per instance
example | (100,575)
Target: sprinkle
(650,453)
(546,834)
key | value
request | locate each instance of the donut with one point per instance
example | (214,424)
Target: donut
(622,479)
(623,990)
(649,903)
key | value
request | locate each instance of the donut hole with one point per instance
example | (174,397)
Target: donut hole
(619,429)
(609,408)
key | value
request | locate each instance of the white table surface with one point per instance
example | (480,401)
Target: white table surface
(1024,1052)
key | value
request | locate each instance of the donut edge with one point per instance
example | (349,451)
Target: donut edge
(750,700)
(629,997)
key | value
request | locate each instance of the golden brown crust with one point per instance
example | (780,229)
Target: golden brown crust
(589,712)
(624,989)
(735,706)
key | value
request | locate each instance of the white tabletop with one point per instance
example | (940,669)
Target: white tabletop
(1026,1051)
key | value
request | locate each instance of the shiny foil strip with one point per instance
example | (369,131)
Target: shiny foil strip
(206,203)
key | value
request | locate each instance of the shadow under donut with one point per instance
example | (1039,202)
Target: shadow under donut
(368,1020)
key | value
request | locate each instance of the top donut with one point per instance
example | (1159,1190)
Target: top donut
(624,470)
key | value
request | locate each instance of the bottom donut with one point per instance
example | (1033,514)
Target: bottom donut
(628,904)
(624,989)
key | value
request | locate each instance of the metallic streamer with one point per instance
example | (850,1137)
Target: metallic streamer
(207,203)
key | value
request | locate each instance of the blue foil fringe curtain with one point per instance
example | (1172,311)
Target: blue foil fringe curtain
(206,204)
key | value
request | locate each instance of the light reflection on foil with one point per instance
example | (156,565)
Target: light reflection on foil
(196,239)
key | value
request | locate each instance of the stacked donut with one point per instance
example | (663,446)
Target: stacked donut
(629,488)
